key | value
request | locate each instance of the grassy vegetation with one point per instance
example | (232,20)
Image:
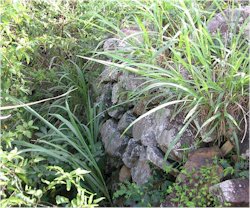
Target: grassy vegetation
(51,152)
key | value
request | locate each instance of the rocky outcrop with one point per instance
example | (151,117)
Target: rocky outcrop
(234,192)
(149,139)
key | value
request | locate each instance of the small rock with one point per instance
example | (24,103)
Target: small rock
(111,44)
(116,112)
(141,172)
(132,153)
(125,121)
(131,82)
(155,156)
(144,131)
(234,191)
(109,74)
(140,107)
(116,91)
(113,143)
(124,174)
(105,96)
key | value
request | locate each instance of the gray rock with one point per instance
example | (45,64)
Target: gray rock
(230,22)
(116,112)
(111,44)
(234,191)
(141,172)
(166,130)
(116,92)
(109,74)
(158,129)
(144,131)
(155,156)
(114,144)
(105,96)
(132,153)
(131,82)
(125,121)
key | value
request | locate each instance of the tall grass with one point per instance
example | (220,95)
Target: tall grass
(70,140)
(215,83)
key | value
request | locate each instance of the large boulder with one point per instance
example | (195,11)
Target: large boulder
(114,144)
(234,191)
(198,174)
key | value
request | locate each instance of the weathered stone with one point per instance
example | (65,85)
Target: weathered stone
(141,172)
(234,191)
(159,128)
(116,91)
(109,74)
(144,131)
(106,93)
(125,121)
(155,156)
(166,130)
(116,112)
(202,157)
(124,174)
(140,107)
(130,81)
(229,22)
(111,44)
(132,153)
(114,144)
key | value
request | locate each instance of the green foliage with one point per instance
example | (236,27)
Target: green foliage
(72,180)
(216,82)
(194,190)
(40,42)
(238,169)
(16,191)
(150,194)
(12,176)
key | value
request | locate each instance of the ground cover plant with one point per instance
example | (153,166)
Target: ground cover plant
(51,153)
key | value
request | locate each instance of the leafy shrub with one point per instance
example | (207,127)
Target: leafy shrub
(16,191)
(196,195)
(150,194)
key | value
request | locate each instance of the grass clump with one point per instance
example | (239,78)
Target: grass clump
(205,76)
